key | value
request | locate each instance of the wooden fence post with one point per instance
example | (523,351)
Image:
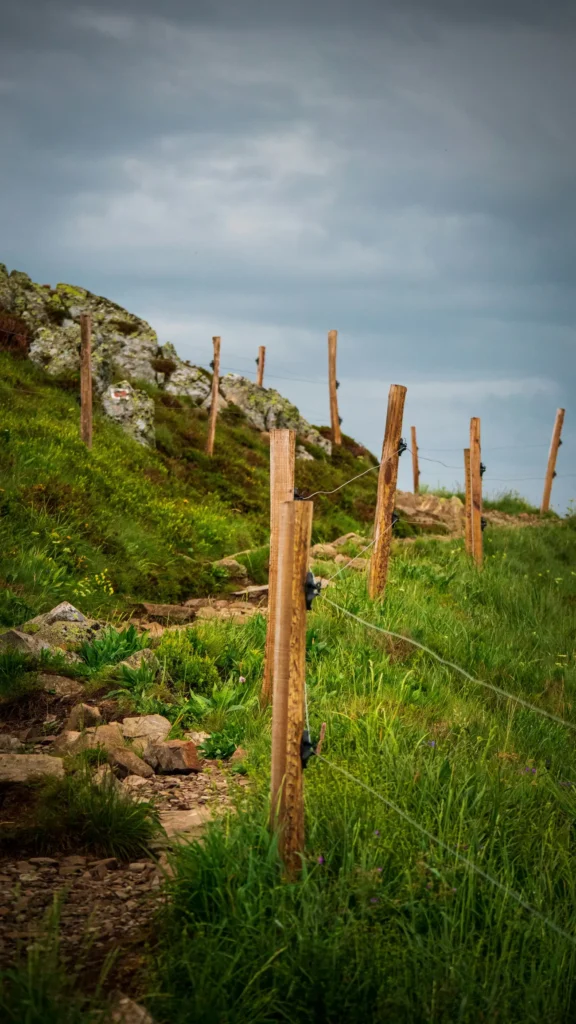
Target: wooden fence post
(215,396)
(467,503)
(476,490)
(333,385)
(415,466)
(86,379)
(387,478)
(282,459)
(261,361)
(289,674)
(551,468)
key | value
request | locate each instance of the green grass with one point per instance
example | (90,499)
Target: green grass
(510,502)
(385,925)
(119,524)
(73,813)
(112,646)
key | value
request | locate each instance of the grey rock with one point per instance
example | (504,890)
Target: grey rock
(266,409)
(132,409)
(189,381)
(104,776)
(60,685)
(24,768)
(126,1011)
(146,727)
(10,744)
(14,640)
(139,658)
(235,570)
(63,612)
(303,455)
(83,716)
(131,764)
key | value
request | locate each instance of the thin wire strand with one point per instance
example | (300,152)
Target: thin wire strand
(449,849)
(462,671)
(354,557)
(307,497)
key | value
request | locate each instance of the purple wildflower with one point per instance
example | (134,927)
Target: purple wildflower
(379,869)
(373,899)
(320,859)
(376,832)
(431,743)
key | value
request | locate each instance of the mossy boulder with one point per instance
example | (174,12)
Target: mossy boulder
(132,409)
(266,409)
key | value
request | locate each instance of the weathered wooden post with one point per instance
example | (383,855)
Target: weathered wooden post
(261,360)
(476,490)
(467,503)
(387,479)
(551,468)
(287,797)
(86,379)
(215,396)
(333,385)
(415,466)
(282,460)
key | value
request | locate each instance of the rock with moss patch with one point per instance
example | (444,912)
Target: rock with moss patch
(25,768)
(133,410)
(266,409)
(189,381)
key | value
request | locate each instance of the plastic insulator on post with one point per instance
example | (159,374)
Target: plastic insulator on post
(395,519)
(337,385)
(307,748)
(312,590)
(482,469)
(340,420)
(212,364)
(298,496)
(402,446)
(483,523)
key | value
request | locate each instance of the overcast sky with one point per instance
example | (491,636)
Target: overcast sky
(405,173)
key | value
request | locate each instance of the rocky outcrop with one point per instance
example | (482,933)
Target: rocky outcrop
(125,350)
(430,513)
(132,409)
(266,409)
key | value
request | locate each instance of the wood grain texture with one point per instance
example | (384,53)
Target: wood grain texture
(215,396)
(387,479)
(415,466)
(86,379)
(292,833)
(282,461)
(334,414)
(261,362)
(467,503)
(552,454)
(281,665)
(476,490)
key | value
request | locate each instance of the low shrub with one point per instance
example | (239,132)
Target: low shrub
(187,669)
(112,646)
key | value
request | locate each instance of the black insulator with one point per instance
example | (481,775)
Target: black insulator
(482,469)
(312,589)
(402,446)
(307,748)
(337,385)
(395,519)
(483,523)
(298,496)
(340,420)
(212,365)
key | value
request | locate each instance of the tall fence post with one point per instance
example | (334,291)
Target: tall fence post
(287,795)
(86,379)
(415,466)
(387,479)
(476,490)
(215,395)
(551,468)
(467,503)
(333,385)
(282,460)
(261,360)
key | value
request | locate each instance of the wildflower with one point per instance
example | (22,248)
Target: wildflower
(320,859)
(379,870)
(373,899)
(376,832)
(431,743)
(242,679)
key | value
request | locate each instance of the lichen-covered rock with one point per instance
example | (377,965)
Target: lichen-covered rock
(24,768)
(63,612)
(430,512)
(303,455)
(14,640)
(189,381)
(132,409)
(266,409)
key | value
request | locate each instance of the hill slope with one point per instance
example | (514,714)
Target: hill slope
(124,522)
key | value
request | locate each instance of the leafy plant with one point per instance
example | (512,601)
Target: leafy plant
(187,669)
(15,673)
(112,646)
(220,745)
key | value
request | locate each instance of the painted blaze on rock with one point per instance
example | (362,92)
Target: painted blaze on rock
(132,409)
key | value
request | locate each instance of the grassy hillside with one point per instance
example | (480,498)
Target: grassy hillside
(385,924)
(124,523)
